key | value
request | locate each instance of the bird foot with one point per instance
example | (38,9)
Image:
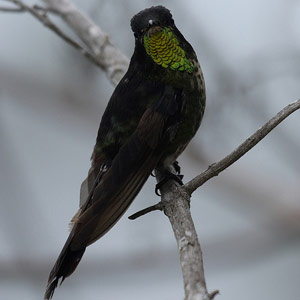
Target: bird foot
(168,176)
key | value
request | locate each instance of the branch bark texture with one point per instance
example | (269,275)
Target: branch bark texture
(176,205)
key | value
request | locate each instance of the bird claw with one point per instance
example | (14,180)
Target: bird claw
(177,167)
(168,176)
(157,188)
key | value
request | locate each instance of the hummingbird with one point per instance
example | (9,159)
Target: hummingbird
(152,115)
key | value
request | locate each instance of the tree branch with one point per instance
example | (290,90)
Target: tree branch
(145,211)
(113,62)
(176,204)
(249,143)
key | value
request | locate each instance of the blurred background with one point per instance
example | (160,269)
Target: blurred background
(247,218)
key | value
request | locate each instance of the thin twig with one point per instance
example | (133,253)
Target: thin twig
(101,51)
(249,143)
(147,210)
(12,9)
(40,14)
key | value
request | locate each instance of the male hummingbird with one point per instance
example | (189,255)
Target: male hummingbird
(150,118)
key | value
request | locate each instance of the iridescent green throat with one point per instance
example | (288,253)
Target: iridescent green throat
(164,49)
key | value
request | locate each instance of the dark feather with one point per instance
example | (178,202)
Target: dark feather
(64,266)
(116,190)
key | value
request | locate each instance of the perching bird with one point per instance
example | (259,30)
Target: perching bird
(152,115)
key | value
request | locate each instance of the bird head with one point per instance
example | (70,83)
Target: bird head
(156,34)
(151,20)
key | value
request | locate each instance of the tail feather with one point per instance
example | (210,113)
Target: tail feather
(111,196)
(64,267)
(50,288)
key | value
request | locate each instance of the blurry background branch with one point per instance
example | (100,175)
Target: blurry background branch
(41,15)
(11,9)
(114,63)
(102,52)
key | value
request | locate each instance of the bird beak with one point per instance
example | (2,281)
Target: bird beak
(153,29)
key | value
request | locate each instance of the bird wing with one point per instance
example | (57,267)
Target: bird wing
(121,183)
(129,170)
(116,187)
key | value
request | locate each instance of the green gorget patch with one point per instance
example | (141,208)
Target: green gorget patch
(164,49)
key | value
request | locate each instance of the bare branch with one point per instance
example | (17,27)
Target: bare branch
(249,143)
(176,204)
(110,58)
(176,199)
(147,210)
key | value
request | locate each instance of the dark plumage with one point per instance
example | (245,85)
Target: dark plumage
(152,115)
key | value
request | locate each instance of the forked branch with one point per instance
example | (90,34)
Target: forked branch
(175,203)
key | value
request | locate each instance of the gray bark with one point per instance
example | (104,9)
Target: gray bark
(176,205)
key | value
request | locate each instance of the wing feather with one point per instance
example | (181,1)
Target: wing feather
(108,194)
